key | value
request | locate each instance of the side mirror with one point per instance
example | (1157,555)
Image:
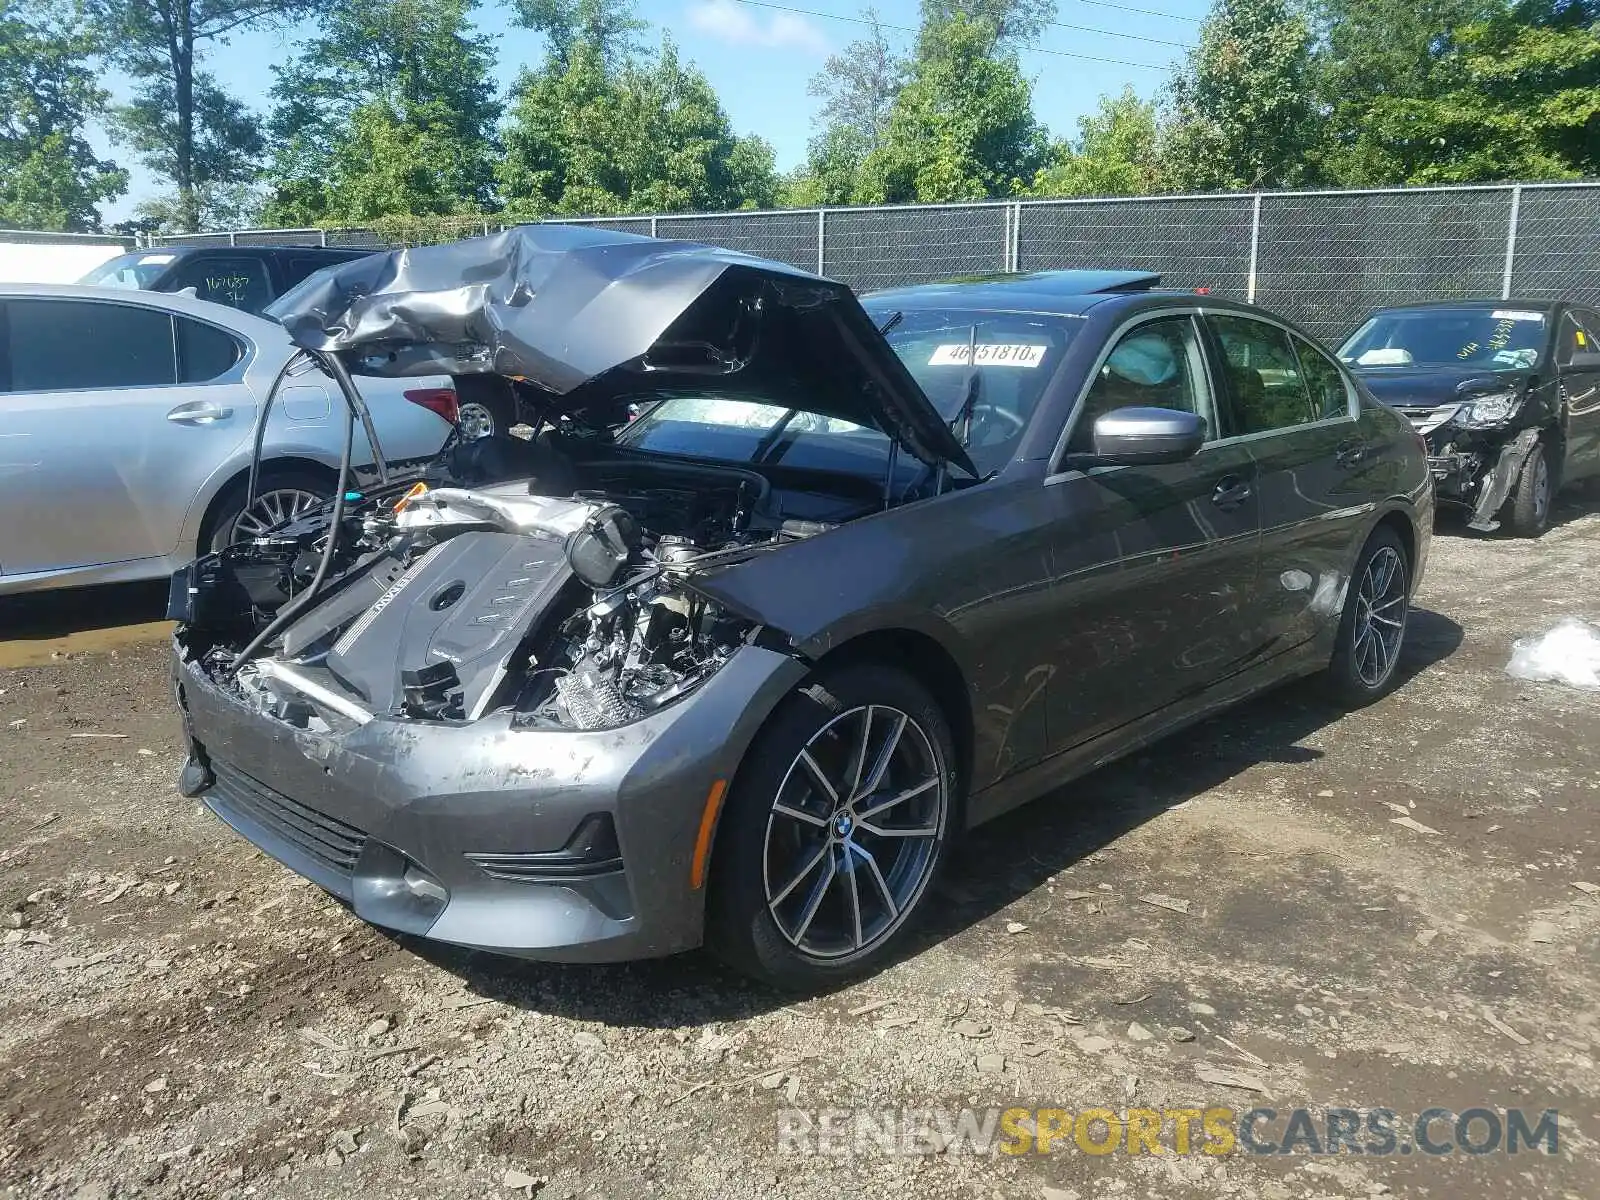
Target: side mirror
(1145,437)
(1583,360)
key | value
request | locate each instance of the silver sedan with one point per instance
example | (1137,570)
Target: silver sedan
(126,424)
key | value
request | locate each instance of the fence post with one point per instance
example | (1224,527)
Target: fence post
(655,226)
(233,238)
(1015,248)
(1511,240)
(822,241)
(322,235)
(1255,249)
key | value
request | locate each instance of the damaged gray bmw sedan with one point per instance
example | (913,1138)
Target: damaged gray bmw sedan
(783,593)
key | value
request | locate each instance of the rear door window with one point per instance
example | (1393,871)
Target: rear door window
(1264,376)
(204,351)
(1330,393)
(74,345)
(237,281)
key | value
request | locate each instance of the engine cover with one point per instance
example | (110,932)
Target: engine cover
(467,602)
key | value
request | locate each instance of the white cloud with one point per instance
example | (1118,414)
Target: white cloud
(730,21)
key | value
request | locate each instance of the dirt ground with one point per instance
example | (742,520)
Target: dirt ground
(181,1017)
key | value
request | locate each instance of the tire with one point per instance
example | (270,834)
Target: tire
(1365,665)
(761,887)
(1528,510)
(280,489)
(488,408)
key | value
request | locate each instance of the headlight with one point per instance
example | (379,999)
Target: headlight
(1484,411)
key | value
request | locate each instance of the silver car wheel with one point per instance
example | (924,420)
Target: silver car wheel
(1381,608)
(854,832)
(274,508)
(474,421)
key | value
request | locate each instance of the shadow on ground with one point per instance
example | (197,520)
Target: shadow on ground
(992,867)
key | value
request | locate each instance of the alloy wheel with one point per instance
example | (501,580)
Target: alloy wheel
(474,421)
(274,508)
(854,832)
(1381,604)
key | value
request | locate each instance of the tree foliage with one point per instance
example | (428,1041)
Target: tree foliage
(389,110)
(50,177)
(1241,111)
(1010,23)
(1117,153)
(611,27)
(649,135)
(182,125)
(962,128)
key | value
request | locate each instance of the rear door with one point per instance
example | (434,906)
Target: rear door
(1154,565)
(111,417)
(1578,332)
(1318,474)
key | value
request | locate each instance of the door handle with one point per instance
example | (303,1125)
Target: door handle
(1231,492)
(199,412)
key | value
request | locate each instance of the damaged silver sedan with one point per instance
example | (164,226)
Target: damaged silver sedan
(780,594)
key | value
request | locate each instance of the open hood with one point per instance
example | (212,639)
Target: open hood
(587,313)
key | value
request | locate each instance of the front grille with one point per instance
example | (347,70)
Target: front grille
(327,840)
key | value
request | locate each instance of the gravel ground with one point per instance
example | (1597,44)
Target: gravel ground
(1375,909)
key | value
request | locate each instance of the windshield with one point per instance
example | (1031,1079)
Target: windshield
(137,271)
(1495,339)
(988,407)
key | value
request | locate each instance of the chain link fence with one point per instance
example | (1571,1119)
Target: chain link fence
(1322,258)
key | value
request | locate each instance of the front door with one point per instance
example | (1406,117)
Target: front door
(112,415)
(1154,565)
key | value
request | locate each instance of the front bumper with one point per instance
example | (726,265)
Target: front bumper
(555,845)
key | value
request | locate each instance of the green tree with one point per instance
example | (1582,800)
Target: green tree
(649,136)
(962,128)
(50,177)
(1010,22)
(388,111)
(181,124)
(1514,94)
(857,87)
(1117,153)
(610,26)
(1241,110)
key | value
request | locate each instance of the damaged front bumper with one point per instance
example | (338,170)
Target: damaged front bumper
(1478,470)
(549,844)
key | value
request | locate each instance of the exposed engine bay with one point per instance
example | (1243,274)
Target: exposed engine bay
(449,603)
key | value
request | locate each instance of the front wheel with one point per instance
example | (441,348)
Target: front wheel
(1528,511)
(834,829)
(1373,628)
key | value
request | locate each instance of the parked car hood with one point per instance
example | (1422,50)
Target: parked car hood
(583,312)
(1411,387)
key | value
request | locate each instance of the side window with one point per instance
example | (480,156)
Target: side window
(237,282)
(296,267)
(1155,365)
(1589,331)
(1268,390)
(71,345)
(1577,334)
(204,351)
(1330,395)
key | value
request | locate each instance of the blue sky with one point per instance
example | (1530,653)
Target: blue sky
(760,58)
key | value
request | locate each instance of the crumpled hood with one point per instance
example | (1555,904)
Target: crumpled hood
(585,313)
(1414,387)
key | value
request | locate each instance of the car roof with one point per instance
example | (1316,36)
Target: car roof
(1067,293)
(257,328)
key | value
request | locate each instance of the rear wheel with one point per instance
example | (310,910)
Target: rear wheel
(1373,629)
(280,495)
(487,406)
(1528,511)
(835,827)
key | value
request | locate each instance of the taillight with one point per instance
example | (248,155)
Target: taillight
(437,400)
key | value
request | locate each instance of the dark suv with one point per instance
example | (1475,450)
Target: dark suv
(245,277)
